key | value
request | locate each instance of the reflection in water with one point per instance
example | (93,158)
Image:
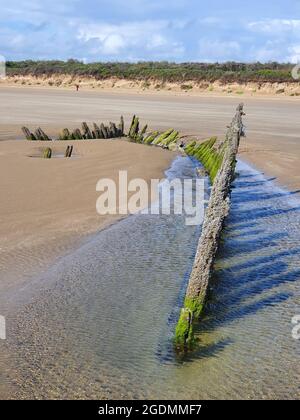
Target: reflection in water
(103,327)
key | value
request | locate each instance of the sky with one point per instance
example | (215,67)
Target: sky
(155,30)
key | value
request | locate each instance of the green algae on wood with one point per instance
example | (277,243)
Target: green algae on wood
(170,139)
(28,134)
(47,153)
(208,154)
(134,129)
(39,134)
(65,134)
(111,131)
(184,333)
(219,158)
(149,139)
(131,125)
(142,133)
(163,136)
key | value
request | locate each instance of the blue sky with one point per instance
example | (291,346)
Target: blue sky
(134,30)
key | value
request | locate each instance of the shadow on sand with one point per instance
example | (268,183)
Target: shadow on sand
(252,270)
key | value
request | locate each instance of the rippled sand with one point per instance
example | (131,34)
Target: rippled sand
(47,206)
(272,123)
(101,324)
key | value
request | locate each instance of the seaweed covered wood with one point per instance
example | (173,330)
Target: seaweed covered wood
(85,132)
(217,211)
(47,153)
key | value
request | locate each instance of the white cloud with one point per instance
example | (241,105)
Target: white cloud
(273,26)
(131,32)
(149,30)
(279,40)
(113,44)
(111,39)
(294,54)
(156,41)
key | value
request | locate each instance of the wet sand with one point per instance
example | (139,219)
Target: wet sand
(48,205)
(272,123)
(99,324)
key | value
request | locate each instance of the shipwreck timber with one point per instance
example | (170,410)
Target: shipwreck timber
(220,161)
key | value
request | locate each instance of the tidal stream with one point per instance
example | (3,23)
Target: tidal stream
(101,323)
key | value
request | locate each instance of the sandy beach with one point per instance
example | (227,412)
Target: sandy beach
(150,203)
(272,124)
(47,206)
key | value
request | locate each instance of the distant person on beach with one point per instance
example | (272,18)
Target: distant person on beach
(77,88)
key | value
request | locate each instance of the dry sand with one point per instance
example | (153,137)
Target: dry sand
(272,123)
(47,205)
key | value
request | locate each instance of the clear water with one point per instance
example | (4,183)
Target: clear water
(101,323)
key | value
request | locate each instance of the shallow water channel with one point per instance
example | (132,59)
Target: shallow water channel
(101,324)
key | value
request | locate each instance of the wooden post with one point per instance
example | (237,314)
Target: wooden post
(104,131)
(77,134)
(69,151)
(86,131)
(222,167)
(113,130)
(28,135)
(97,131)
(121,127)
(47,153)
(65,134)
(134,129)
(142,133)
(131,125)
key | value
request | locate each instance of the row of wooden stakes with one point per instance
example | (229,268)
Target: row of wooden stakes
(97,132)
(39,134)
(165,139)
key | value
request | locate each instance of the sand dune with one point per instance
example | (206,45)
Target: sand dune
(67,81)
